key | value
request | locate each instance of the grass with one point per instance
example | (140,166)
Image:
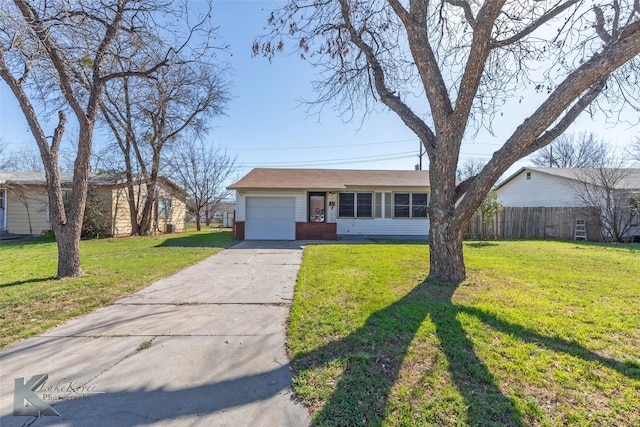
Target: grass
(543,333)
(32,300)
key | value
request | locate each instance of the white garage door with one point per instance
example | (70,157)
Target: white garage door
(270,218)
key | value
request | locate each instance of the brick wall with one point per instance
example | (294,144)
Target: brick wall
(316,231)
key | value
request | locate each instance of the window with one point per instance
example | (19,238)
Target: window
(317,207)
(355,205)
(401,205)
(346,207)
(364,202)
(419,205)
(635,211)
(164,207)
(383,205)
(528,175)
(410,205)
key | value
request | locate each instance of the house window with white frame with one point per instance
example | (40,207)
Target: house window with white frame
(164,207)
(410,205)
(355,205)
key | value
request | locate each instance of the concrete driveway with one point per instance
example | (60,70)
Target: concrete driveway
(204,347)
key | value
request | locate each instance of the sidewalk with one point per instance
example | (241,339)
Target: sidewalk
(204,347)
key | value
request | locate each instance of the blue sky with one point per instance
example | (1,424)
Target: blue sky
(265,126)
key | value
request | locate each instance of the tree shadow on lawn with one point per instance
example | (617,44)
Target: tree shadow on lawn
(28,241)
(374,354)
(479,244)
(24,282)
(216,239)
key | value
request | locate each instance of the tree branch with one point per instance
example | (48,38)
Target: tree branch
(433,82)
(478,54)
(599,25)
(587,80)
(570,116)
(31,17)
(392,101)
(466,7)
(548,16)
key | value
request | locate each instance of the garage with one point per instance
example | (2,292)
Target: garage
(270,218)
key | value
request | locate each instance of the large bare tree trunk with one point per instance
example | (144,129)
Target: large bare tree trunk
(67,223)
(146,222)
(446,231)
(446,262)
(68,241)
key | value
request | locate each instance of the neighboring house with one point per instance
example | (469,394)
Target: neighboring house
(565,188)
(301,204)
(169,209)
(24,206)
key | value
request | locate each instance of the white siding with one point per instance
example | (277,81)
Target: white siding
(540,190)
(383,227)
(345,226)
(26,210)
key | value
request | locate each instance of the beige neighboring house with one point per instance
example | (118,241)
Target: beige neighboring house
(24,206)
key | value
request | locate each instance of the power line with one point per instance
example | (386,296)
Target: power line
(323,146)
(329,162)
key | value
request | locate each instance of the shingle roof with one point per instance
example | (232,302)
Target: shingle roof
(328,179)
(38,178)
(31,178)
(630,180)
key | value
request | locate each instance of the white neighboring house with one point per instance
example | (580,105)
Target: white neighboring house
(564,187)
(326,204)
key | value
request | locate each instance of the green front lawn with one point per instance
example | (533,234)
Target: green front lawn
(32,300)
(543,333)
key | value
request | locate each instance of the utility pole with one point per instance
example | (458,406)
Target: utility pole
(420,155)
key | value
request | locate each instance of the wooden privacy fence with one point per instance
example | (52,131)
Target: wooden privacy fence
(534,222)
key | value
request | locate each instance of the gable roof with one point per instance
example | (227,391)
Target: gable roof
(328,179)
(31,178)
(631,180)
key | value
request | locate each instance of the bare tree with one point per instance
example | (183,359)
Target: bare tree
(152,114)
(23,160)
(59,55)
(463,61)
(584,150)
(471,167)
(634,150)
(488,210)
(611,193)
(6,160)
(203,170)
